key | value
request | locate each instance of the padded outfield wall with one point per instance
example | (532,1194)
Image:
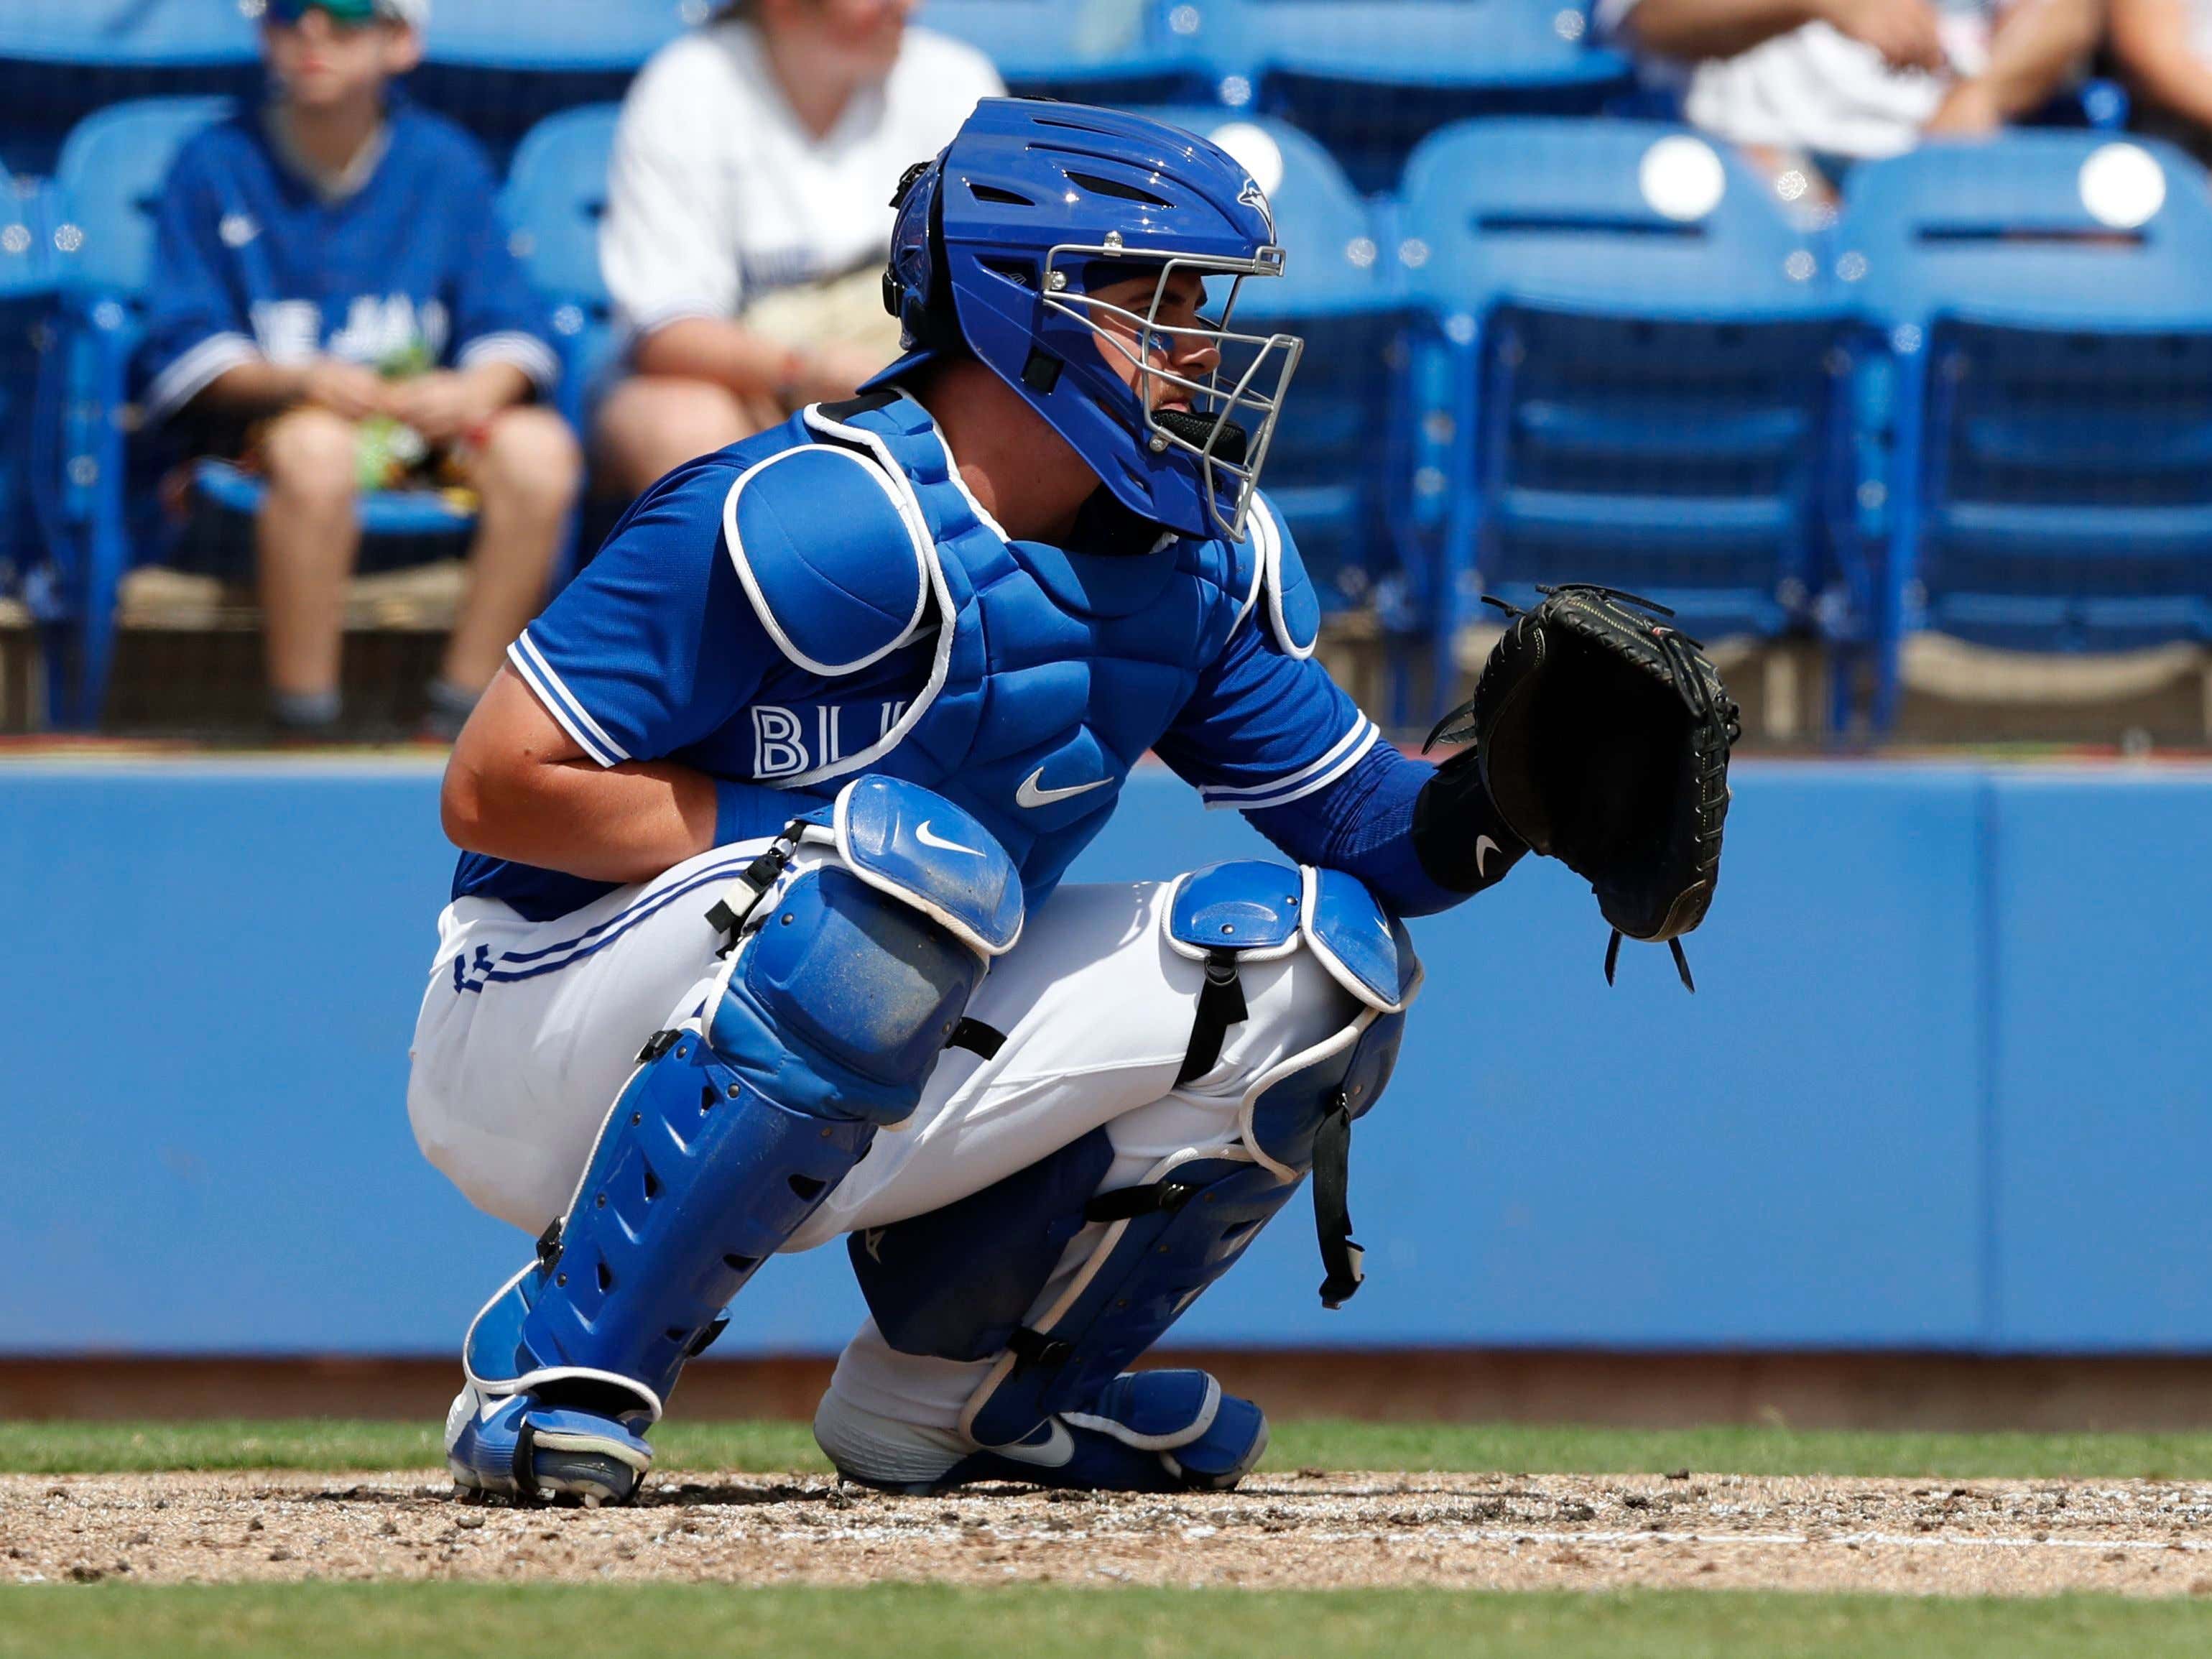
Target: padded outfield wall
(1947,1083)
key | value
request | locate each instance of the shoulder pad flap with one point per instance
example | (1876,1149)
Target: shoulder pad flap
(1293,606)
(824,545)
(1363,950)
(1250,907)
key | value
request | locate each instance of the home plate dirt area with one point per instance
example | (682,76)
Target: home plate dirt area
(1307,1530)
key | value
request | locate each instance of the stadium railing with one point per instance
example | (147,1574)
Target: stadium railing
(2032,421)
(1628,375)
(102,513)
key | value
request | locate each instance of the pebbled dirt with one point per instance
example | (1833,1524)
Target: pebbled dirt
(1308,1529)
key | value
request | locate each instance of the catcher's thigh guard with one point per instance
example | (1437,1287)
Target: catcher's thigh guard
(1060,1285)
(846,978)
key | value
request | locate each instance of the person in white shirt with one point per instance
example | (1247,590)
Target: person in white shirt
(1816,84)
(2163,49)
(749,217)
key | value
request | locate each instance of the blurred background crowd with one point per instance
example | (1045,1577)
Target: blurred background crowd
(1873,335)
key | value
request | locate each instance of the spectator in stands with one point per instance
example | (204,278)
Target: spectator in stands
(1813,85)
(335,305)
(749,217)
(2162,49)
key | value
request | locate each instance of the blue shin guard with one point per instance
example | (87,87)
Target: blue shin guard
(736,1126)
(970,1282)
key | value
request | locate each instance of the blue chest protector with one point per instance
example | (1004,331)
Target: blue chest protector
(1052,671)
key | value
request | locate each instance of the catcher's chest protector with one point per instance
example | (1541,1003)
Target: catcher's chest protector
(1054,671)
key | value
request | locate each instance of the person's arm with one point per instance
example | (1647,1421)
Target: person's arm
(750,363)
(520,787)
(2037,43)
(2157,57)
(1903,31)
(1276,737)
(654,647)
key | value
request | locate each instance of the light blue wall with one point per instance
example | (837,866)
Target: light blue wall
(1942,1084)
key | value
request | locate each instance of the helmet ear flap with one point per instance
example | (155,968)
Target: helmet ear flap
(917,291)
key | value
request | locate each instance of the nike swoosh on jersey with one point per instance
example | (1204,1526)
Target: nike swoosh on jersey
(1034,793)
(922,833)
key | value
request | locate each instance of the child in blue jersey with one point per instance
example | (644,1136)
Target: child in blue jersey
(334,303)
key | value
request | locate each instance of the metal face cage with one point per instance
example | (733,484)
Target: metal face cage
(1233,411)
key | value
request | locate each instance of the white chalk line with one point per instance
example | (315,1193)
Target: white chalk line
(1508,1535)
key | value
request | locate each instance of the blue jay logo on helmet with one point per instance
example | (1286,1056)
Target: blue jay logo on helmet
(1001,246)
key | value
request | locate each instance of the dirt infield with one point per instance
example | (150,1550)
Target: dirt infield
(1307,1530)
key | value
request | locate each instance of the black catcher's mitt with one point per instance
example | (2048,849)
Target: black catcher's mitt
(1602,735)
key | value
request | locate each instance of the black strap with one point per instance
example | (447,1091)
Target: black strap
(549,1246)
(1126,1203)
(1220,1005)
(657,1045)
(977,1038)
(1331,1183)
(1032,1348)
(760,875)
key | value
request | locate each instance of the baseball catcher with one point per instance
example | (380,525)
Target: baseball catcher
(759,939)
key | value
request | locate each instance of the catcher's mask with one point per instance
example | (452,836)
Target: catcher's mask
(1000,246)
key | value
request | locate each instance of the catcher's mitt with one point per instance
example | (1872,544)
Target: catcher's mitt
(1602,735)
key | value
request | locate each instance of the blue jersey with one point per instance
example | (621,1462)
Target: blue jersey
(252,260)
(681,642)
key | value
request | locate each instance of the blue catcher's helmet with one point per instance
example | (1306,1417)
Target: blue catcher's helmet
(1000,243)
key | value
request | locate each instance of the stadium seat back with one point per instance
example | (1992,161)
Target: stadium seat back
(1097,51)
(1371,79)
(113,168)
(554,202)
(1627,218)
(1631,374)
(2038,229)
(555,34)
(2035,422)
(63,60)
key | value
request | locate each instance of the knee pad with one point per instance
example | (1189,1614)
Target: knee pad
(964,1282)
(843,984)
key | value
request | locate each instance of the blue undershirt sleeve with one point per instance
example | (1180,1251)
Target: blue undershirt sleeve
(1275,737)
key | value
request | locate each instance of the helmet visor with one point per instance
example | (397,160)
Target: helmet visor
(1202,389)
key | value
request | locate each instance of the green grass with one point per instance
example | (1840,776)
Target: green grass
(335,1621)
(308,1444)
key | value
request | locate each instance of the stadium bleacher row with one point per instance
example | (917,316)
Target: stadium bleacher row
(1544,343)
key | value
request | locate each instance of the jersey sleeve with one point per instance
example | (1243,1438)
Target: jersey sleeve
(497,315)
(654,645)
(664,247)
(1275,737)
(1265,728)
(195,325)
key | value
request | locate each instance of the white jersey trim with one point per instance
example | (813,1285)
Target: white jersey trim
(563,704)
(1318,775)
(197,370)
(524,351)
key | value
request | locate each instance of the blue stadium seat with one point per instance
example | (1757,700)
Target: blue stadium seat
(61,60)
(111,171)
(556,196)
(1329,467)
(499,67)
(1371,77)
(1116,52)
(2034,432)
(1629,378)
